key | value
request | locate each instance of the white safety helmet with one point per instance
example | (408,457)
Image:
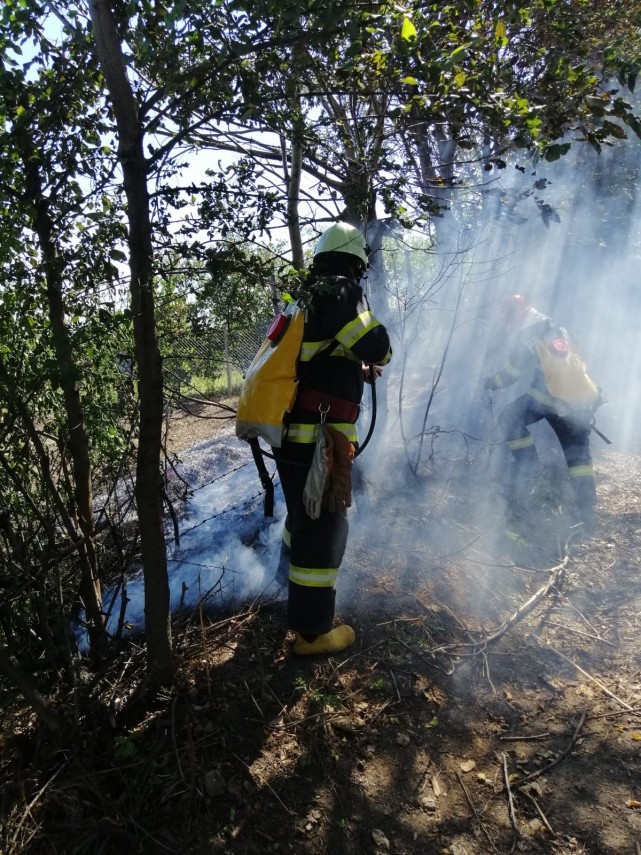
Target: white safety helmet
(341,237)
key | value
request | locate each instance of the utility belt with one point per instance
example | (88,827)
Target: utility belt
(330,405)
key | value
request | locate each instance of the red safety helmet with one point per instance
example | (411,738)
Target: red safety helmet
(513,310)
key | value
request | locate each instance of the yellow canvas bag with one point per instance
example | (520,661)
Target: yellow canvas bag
(565,372)
(269,389)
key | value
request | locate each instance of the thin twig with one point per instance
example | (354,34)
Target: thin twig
(265,783)
(382,707)
(452,614)
(401,620)
(150,836)
(579,632)
(486,666)
(510,804)
(544,819)
(634,711)
(582,616)
(275,725)
(598,683)
(423,782)
(203,638)
(348,659)
(448,672)
(558,758)
(398,694)
(173,740)
(436,378)
(475,812)
(27,811)
(283,707)
(524,738)
(260,712)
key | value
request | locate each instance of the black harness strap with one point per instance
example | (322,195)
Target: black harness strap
(265,480)
(603,437)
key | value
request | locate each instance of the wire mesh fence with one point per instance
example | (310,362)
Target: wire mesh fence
(212,364)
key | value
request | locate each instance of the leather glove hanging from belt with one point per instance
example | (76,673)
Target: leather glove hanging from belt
(318,476)
(338,494)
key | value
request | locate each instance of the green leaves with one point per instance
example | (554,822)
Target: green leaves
(500,34)
(555,151)
(408,30)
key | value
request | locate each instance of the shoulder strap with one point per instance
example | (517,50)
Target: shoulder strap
(326,352)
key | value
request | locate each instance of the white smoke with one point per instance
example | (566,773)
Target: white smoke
(564,234)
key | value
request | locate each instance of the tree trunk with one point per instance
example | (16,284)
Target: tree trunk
(293,173)
(293,177)
(148,484)
(82,511)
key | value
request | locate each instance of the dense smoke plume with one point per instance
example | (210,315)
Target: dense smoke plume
(563,234)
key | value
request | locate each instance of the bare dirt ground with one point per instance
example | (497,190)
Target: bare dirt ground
(491,704)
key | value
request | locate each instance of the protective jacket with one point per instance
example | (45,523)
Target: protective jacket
(341,334)
(561,392)
(559,377)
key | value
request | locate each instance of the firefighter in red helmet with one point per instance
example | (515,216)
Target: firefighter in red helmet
(560,390)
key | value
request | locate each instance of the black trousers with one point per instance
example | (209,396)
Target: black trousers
(312,550)
(574,437)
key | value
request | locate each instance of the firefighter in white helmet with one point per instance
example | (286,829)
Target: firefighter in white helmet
(341,336)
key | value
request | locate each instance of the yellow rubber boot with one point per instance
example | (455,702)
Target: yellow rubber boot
(333,641)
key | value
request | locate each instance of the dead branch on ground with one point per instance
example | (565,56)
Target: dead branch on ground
(558,758)
(458,649)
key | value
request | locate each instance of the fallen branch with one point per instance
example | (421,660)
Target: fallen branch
(479,646)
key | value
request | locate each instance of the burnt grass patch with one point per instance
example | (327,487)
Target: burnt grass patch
(491,703)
